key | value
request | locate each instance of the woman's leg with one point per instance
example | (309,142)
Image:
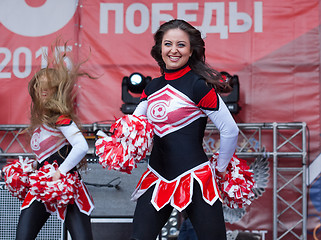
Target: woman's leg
(148,222)
(208,221)
(78,223)
(31,220)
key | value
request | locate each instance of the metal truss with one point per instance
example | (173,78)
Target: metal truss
(284,143)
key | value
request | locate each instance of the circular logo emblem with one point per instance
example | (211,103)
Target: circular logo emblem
(25,20)
(35,142)
(158,111)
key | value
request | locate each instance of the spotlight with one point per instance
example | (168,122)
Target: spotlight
(171,228)
(135,83)
(231,99)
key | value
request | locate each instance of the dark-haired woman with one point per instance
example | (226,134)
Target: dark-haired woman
(178,103)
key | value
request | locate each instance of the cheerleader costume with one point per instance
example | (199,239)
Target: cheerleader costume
(67,146)
(179,174)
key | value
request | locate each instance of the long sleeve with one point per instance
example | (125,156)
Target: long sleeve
(79,147)
(229,131)
(141,108)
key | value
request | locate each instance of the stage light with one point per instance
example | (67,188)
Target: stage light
(231,99)
(135,84)
(171,228)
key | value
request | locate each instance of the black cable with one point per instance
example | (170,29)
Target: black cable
(109,184)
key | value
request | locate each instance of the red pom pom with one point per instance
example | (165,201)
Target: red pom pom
(58,193)
(130,142)
(236,187)
(16,176)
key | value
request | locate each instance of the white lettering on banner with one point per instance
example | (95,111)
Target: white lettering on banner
(22,19)
(258,16)
(220,26)
(67,60)
(118,8)
(234,16)
(157,16)
(261,232)
(25,54)
(183,7)
(42,52)
(16,62)
(5,61)
(130,16)
(213,17)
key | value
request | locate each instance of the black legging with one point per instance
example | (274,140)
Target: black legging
(207,220)
(33,218)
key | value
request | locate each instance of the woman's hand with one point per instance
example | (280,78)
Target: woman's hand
(56,175)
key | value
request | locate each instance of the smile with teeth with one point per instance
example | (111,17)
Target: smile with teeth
(174,58)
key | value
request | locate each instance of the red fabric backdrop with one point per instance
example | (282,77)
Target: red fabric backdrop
(272,45)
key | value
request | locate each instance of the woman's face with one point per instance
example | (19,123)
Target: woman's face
(44,91)
(176,48)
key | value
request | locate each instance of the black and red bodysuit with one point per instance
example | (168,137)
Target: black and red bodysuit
(66,145)
(178,104)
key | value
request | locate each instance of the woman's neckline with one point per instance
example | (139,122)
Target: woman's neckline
(172,74)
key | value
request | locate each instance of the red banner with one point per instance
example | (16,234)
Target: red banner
(273,46)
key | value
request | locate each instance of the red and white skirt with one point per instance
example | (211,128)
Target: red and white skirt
(84,202)
(179,191)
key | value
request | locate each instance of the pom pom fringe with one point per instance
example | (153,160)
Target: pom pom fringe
(236,187)
(130,142)
(16,175)
(59,193)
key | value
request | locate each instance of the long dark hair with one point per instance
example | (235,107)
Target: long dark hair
(197,60)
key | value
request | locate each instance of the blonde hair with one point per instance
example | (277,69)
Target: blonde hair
(61,80)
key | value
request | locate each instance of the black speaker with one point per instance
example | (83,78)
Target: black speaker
(112,228)
(114,211)
(9,216)
(111,191)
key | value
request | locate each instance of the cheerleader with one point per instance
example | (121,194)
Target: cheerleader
(178,104)
(56,138)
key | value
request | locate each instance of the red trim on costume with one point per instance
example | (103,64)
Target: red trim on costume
(48,129)
(177,74)
(181,112)
(205,176)
(186,186)
(84,202)
(148,181)
(61,213)
(45,141)
(179,192)
(163,194)
(209,100)
(143,95)
(27,201)
(51,209)
(63,121)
